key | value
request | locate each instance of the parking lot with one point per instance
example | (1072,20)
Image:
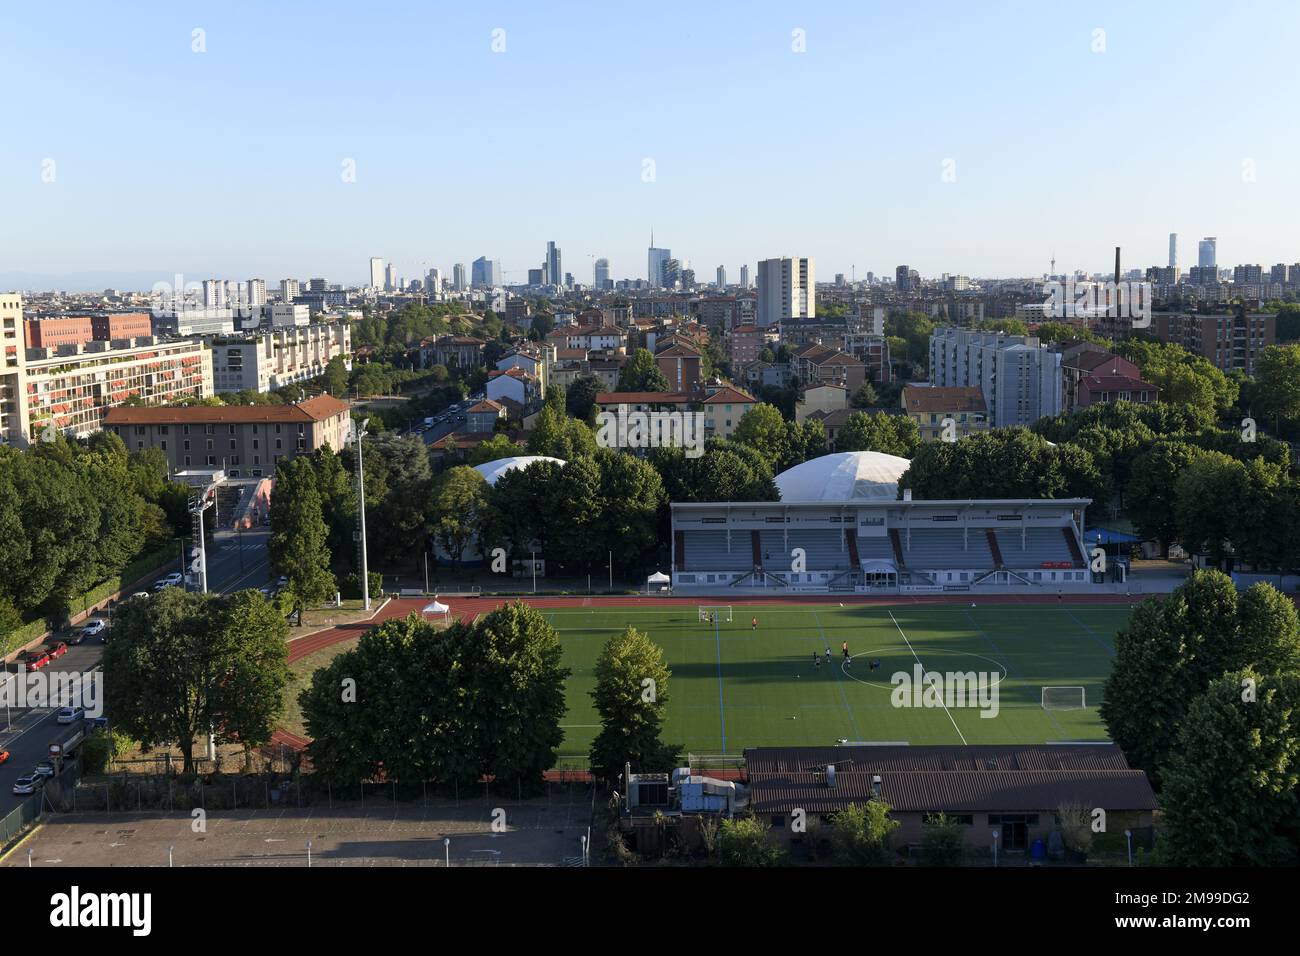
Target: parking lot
(546,831)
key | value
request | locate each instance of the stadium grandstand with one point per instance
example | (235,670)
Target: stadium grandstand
(839,527)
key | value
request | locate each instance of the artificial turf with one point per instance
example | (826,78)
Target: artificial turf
(734,686)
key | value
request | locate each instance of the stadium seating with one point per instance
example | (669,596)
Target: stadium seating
(1040,545)
(943,548)
(707,551)
(825,549)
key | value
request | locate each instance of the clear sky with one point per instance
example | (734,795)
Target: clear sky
(230,162)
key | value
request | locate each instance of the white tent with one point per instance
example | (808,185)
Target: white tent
(657,581)
(436,607)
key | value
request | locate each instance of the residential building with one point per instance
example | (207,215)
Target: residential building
(453,351)
(682,365)
(1084,360)
(483,416)
(290,314)
(243,440)
(376,273)
(1021,380)
(256,293)
(820,398)
(723,410)
(786,289)
(288,290)
(265,361)
(929,406)
(745,343)
(820,364)
(514,384)
(459,283)
(1229,341)
(1108,389)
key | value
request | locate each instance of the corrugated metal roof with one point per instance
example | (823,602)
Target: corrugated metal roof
(987,757)
(955,791)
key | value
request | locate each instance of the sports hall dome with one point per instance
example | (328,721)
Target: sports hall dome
(844,476)
(492,470)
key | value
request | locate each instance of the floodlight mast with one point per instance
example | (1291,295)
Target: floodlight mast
(361,494)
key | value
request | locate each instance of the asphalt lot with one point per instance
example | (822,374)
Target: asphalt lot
(547,831)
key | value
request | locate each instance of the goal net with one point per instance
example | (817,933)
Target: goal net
(723,614)
(1064,698)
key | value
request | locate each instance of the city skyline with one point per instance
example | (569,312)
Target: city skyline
(880,183)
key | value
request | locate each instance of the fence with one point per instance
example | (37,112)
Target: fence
(52,796)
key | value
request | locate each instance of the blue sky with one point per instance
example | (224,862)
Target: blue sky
(228,162)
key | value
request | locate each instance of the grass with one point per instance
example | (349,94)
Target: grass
(737,687)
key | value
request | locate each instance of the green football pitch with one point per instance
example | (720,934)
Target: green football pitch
(734,686)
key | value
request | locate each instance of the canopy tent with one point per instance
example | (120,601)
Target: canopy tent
(658,580)
(436,607)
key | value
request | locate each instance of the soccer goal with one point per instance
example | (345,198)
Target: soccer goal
(1064,698)
(723,614)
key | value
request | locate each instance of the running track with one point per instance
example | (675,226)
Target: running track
(468,608)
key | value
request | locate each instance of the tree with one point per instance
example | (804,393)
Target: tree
(335,377)
(556,435)
(742,841)
(1204,494)
(459,495)
(631,694)
(860,834)
(497,447)
(1229,793)
(1277,374)
(762,428)
(942,842)
(1174,646)
(580,398)
(631,495)
(881,432)
(298,536)
(1150,495)
(641,374)
(864,397)
(803,441)
(182,663)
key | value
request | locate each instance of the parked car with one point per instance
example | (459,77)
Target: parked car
(68,715)
(28,784)
(56,650)
(44,769)
(34,660)
(94,627)
(140,594)
(4,756)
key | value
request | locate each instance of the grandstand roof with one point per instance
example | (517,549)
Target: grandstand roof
(844,476)
(492,470)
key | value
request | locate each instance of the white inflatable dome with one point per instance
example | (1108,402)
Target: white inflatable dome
(492,470)
(844,476)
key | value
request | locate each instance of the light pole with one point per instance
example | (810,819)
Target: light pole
(446,849)
(361,486)
(534,563)
(29,858)
(584,849)
(611,572)
(1128,838)
(169,855)
(996,834)
(309,854)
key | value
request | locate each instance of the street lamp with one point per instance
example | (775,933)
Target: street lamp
(361,485)
(309,854)
(534,563)
(169,855)
(584,849)
(446,849)
(1128,839)
(996,834)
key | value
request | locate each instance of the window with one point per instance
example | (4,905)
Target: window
(185,429)
(232,444)
(255,440)
(279,442)
(163,444)
(162,429)
(209,444)
(187,461)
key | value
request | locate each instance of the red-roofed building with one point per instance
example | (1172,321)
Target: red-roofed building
(513,383)
(723,410)
(244,440)
(1107,389)
(682,365)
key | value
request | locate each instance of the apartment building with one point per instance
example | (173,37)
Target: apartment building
(682,365)
(1229,341)
(822,365)
(1020,379)
(283,356)
(244,440)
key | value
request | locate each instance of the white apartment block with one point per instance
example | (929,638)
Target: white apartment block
(1021,379)
(786,290)
(287,314)
(278,358)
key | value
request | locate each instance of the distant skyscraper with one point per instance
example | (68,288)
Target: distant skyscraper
(391,282)
(744,277)
(1208,253)
(1173,250)
(257,293)
(376,273)
(602,274)
(485,273)
(214,293)
(786,290)
(458,282)
(537,276)
(655,264)
(903,279)
(288,290)
(670,274)
(554,268)
(722,277)
(433,281)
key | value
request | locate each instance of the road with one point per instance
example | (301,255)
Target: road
(234,561)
